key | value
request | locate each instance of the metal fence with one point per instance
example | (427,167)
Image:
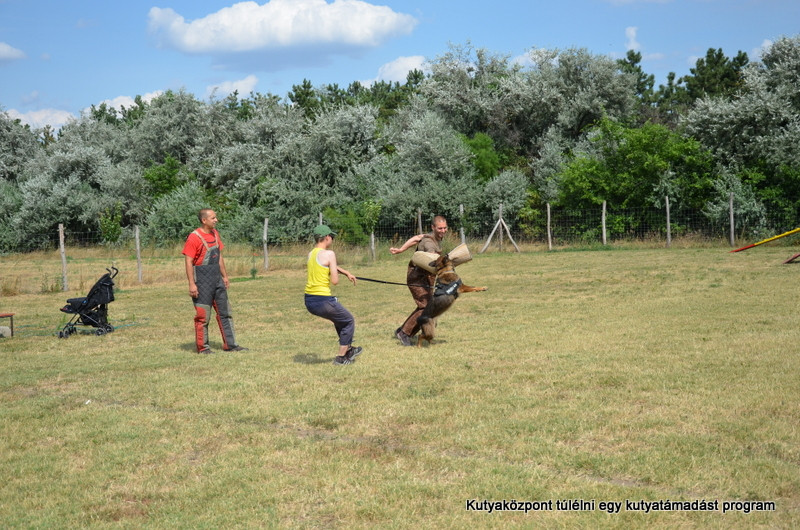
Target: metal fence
(557,226)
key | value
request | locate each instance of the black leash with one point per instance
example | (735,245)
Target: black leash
(393,283)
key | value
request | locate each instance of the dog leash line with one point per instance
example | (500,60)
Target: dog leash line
(393,283)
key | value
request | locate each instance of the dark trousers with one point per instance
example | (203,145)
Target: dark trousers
(328,307)
(417,278)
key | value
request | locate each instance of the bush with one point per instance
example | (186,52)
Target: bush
(174,215)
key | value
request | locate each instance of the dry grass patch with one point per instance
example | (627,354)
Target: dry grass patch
(628,374)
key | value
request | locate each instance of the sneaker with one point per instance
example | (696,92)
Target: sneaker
(402,337)
(237,348)
(342,359)
(206,351)
(353,352)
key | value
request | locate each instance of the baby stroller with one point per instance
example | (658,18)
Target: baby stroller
(91,310)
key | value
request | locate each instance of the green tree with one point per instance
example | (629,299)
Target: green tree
(509,188)
(672,101)
(306,97)
(756,135)
(644,83)
(428,168)
(171,126)
(716,75)
(636,167)
(111,223)
(132,114)
(174,215)
(18,144)
(164,178)
(631,64)
(104,113)
(486,159)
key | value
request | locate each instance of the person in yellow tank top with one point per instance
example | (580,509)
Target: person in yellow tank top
(323,270)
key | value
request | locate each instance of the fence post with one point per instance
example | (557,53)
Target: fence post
(63,251)
(264,242)
(549,231)
(372,244)
(603,221)
(138,253)
(419,220)
(461,222)
(669,226)
(499,220)
(733,226)
(320,218)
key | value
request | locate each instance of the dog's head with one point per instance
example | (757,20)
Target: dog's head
(441,263)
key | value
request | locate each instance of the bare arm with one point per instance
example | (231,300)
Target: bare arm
(330,257)
(413,240)
(346,273)
(190,276)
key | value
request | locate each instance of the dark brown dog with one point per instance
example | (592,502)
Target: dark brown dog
(448,287)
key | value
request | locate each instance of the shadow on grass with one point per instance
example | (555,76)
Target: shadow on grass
(310,358)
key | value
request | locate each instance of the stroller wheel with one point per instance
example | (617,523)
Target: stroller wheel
(100,331)
(62,335)
(109,328)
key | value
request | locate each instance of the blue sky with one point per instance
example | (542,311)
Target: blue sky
(58,57)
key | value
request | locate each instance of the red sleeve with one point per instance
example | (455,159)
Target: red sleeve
(193,247)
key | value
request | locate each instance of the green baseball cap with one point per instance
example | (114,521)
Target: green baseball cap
(324,230)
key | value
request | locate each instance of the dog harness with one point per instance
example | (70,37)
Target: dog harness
(451,288)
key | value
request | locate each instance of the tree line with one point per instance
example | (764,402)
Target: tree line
(566,127)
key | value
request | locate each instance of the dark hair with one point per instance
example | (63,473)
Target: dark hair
(203,213)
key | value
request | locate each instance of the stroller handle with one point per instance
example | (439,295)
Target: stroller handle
(113,274)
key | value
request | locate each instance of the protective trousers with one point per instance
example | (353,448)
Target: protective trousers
(211,292)
(417,278)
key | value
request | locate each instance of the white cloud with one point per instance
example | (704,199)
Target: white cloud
(533,57)
(243,86)
(9,53)
(39,118)
(56,118)
(523,60)
(128,102)
(632,44)
(398,69)
(248,26)
(632,34)
(757,53)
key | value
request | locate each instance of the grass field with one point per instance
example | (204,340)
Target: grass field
(598,376)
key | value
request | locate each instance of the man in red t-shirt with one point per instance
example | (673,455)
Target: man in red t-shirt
(208,283)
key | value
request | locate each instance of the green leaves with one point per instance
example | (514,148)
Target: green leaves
(635,167)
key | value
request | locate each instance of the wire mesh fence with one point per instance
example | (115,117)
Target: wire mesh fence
(73,262)
(561,226)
